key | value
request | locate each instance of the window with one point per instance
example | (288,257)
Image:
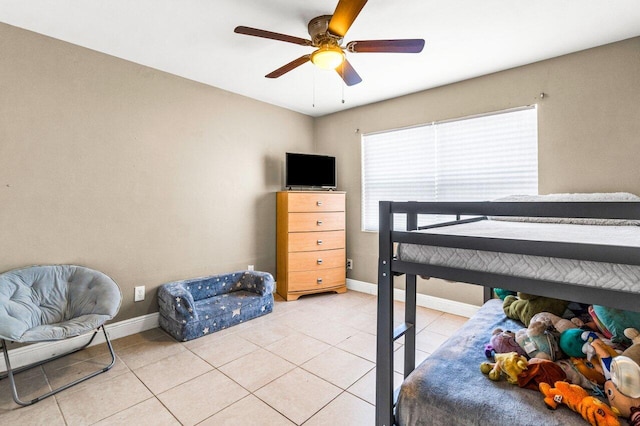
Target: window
(471,159)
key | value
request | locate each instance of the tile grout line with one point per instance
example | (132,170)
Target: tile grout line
(360,306)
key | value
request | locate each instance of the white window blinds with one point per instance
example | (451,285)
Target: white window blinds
(472,159)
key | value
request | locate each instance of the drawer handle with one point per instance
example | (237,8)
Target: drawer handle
(319,222)
(319,242)
(318,203)
(319,280)
(319,261)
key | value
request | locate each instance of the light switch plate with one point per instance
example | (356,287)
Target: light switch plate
(138,293)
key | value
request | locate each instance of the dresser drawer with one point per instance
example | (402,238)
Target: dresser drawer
(317,280)
(310,260)
(301,222)
(316,202)
(311,241)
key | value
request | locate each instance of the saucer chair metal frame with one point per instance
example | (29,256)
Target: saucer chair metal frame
(88,280)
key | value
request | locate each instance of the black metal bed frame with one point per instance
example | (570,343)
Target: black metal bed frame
(388,267)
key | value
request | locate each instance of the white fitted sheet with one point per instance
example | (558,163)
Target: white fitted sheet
(589,273)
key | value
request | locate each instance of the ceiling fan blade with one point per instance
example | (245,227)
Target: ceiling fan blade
(344,15)
(288,67)
(392,46)
(271,35)
(348,73)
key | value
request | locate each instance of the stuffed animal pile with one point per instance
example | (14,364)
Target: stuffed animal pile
(571,361)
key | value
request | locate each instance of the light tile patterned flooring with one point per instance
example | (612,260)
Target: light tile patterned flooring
(309,362)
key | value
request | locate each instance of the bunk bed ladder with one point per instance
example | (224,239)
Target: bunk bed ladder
(386,335)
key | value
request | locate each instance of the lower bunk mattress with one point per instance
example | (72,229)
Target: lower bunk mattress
(610,276)
(449,389)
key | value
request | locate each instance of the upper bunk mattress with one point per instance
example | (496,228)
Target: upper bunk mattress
(597,274)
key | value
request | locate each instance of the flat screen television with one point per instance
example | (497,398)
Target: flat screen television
(310,170)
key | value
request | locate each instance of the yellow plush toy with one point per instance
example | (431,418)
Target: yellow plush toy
(510,363)
(596,412)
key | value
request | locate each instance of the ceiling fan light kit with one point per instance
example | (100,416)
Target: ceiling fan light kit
(327,32)
(328,57)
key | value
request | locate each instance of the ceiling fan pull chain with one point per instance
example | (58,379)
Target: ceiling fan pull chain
(342,83)
(313,102)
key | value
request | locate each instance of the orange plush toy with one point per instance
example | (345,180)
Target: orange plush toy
(596,412)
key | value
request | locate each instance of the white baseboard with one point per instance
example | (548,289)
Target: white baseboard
(431,302)
(28,354)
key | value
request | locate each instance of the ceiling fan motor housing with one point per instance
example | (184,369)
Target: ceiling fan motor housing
(319,31)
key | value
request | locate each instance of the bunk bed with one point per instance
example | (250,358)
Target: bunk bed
(468,234)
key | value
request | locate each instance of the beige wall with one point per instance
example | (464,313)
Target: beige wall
(150,177)
(140,174)
(588,121)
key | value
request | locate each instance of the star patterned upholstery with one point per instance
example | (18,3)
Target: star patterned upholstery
(196,307)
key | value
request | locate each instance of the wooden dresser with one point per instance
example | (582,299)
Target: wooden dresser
(311,254)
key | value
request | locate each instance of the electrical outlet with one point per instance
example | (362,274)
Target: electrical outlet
(138,293)
(250,267)
(349,263)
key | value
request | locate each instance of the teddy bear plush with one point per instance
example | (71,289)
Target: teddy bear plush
(510,364)
(539,341)
(623,390)
(596,412)
(525,306)
(557,322)
(502,341)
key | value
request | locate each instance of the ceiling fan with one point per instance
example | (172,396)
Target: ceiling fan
(326,33)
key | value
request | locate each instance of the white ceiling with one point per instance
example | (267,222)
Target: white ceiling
(195,39)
